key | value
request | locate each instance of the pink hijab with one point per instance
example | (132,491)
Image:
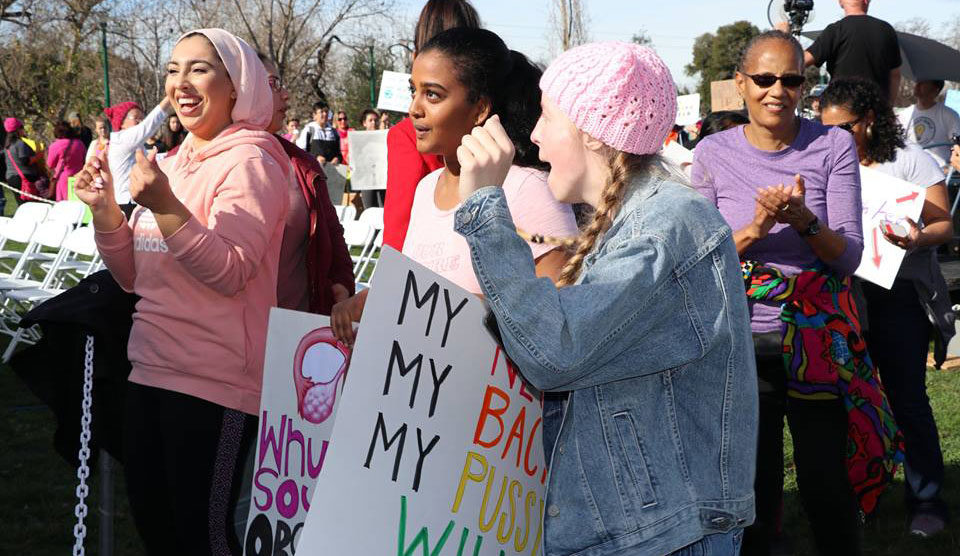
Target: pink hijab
(254,107)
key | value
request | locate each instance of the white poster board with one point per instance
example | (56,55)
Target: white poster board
(688,109)
(394,92)
(336,175)
(303,373)
(725,96)
(885,199)
(438,443)
(368,159)
(677,153)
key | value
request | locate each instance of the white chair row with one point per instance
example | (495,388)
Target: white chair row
(69,255)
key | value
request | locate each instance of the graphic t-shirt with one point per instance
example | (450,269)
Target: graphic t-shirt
(935,126)
(859,46)
(432,241)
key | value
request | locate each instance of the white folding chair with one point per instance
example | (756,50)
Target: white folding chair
(68,212)
(363,280)
(372,216)
(78,243)
(48,235)
(13,228)
(348,214)
(358,236)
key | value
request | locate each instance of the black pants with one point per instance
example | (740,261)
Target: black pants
(819,431)
(372,198)
(898,342)
(184,459)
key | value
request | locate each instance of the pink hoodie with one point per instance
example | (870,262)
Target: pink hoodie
(206,290)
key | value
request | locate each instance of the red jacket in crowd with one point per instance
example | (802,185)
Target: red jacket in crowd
(405,168)
(328,259)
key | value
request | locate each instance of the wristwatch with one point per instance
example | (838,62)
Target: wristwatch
(812,229)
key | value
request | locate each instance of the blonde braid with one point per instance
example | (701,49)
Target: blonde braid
(623,167)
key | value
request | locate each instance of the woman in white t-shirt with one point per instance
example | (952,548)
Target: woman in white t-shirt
(461,78)
(899,319)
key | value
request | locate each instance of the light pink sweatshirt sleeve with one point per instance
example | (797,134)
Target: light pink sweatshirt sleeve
(247,208)
(116,248)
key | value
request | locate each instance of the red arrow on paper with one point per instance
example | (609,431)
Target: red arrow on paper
(876,249)
(909,197)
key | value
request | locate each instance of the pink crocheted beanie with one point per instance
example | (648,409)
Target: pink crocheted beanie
(618,92)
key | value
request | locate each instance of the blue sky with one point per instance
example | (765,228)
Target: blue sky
(673,24)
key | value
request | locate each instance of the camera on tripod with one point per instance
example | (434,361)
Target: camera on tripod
(798,11)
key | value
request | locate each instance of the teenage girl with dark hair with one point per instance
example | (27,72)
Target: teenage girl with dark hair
(406,166)
(460,78)
(900,318)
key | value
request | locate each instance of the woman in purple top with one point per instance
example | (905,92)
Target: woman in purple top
(790,190)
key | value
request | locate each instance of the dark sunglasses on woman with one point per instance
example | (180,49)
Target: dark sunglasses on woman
(766,80)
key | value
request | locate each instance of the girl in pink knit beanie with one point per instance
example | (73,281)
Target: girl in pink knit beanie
(644,345)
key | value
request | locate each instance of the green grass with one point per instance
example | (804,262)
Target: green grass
(37,500)
(886,535)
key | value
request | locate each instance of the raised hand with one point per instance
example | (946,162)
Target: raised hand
(485,157)
(94,183)
(149,186)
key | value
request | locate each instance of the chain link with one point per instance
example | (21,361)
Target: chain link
(80,529)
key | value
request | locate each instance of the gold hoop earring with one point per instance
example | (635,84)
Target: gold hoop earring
(869,132)
(233,95)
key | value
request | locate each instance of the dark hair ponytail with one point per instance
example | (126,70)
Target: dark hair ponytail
(506,78)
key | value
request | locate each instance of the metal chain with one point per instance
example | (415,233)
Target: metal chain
(80,529)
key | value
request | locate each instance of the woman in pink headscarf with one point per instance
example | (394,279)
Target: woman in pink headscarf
(201,251)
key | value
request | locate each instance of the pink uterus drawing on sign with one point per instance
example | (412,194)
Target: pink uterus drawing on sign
(318,365)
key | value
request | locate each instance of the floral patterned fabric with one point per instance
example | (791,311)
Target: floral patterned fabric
(825,357)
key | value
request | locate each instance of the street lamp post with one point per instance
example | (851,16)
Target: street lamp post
(106,63)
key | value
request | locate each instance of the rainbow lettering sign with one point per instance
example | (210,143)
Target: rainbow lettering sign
(438,446)
(303,372)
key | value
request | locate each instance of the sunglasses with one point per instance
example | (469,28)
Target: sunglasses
(766,80)
(341,119)
(848,127)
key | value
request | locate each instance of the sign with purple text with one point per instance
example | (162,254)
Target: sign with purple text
(438,444)
(303,372)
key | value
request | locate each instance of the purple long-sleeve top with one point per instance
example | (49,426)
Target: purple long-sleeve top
(728,170)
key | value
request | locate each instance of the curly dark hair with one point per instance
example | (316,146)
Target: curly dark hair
(488,69)
(860,97)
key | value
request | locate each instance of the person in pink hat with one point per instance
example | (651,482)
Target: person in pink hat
(22,162)
(643,348)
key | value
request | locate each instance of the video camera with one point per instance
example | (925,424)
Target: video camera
(799,12)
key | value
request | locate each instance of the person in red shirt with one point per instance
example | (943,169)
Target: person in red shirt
(405,165)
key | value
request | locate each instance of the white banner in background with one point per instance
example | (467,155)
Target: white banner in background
(438,444)
(302,375)
(394,92)
(886,199)
(368,159)
(688,109)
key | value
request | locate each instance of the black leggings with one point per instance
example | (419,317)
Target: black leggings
(184,465)
(819,431)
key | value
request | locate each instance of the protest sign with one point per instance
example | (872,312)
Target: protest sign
(677,153)
(336,181)
(394,92)
(438,444)
(724,96)
(688,109)
(368,159)
(302,375)
(886,199)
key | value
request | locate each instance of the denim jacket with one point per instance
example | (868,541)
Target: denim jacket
(655,445)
